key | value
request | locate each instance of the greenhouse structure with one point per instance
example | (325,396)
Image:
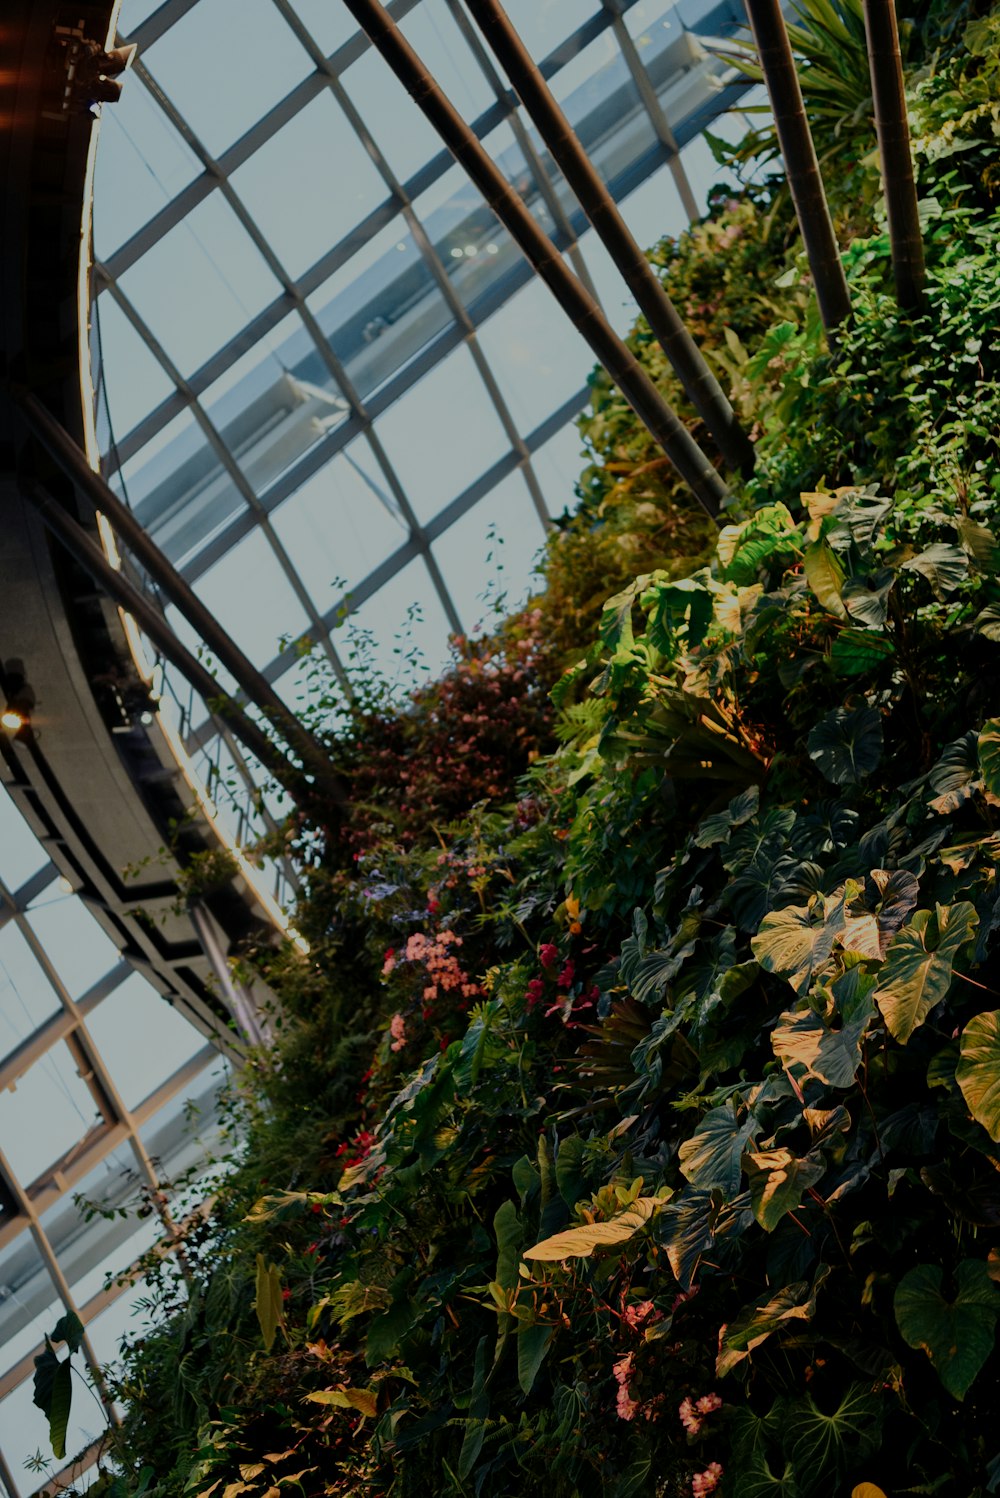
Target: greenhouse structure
(500,748)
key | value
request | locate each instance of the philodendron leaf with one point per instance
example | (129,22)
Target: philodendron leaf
(825,576)
(580,1242)
(711,1157)
(69,1329)
(856,651)
(953,778)
(989,756)
(777,1180)
(866,598)
(919,963)
(978,1070)
(876,913)
(957,1334)
(347,1399)
(847,745)
(53,1394)
(268,1302)
(820,1444)
(945,567)
(792,943)
(754,1324)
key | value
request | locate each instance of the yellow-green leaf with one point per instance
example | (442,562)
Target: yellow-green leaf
(918,966)
(580,1243)
(268,1303)
(346,1399)
(978,1070)
(825,577)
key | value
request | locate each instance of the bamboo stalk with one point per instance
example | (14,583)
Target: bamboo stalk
(801,167)
(893,131)
(700,385)
(663,423)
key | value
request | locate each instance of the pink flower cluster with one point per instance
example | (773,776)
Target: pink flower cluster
(703,1483)
(637,1316)
(693,1412)
(397,1029)
(624,1403)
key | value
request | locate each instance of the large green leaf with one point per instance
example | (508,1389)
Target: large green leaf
(866,597)
(508,1233)
(53,1394)
(958,1334)
(978,1070)
(945,567)
(533,1342)
(847,745)
(825,576)
(268,1302)
(793,943)
(711,1157)
(989,755)
(580,1242)
(878,910)
(919,963)
(744,549)
(754,1324)
(777,1180)
(820,1443)
(856,651)
(954,778)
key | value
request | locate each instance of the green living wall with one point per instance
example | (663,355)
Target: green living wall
(632,1125)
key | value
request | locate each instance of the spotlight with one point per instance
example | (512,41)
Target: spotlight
(16,716)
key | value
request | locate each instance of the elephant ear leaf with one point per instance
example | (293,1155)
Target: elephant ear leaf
(711,1158)
(988,747)
(847,745)
(581,1242)
(978,1070)
(919,965)
(958,1334)
(53,1394)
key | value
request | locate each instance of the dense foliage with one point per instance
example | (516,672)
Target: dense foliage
(633,1123)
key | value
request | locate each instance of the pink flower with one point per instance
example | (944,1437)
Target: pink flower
(689,1418)
(536,992)
(397,1029)
(388,962)
(548,954)
(625,1404)
(707,1403)
(634,1316)
(706,1482)
(566,976)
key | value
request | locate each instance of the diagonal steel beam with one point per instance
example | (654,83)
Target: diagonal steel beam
(657,415)
(699,383)
(258,690)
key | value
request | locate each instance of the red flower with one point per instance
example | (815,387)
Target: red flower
(536,992)
(548,955)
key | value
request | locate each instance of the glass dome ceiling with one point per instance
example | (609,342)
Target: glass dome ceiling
(325,377)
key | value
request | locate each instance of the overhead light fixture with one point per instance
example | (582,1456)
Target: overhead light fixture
(16,716)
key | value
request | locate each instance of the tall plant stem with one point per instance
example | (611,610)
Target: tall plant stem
(700,385)
(662,422)
(801,167)
(893,131)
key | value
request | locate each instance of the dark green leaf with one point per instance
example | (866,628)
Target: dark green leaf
(777,1180)
(756,1323)
(866,598)
(956,1334)
(945,567)
(988,746)
(847,745)
(856,651)
(918,966)
(710,1159)
(533,1342)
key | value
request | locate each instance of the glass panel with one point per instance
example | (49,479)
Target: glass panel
(23,854)
(613,294)
(121,1243)
(134,12)
(140,147)
(74,943)
(443,433)
(200,284)
(142,1039)
(134,379)
(27,998)
(602,102)
(655,209)
(185,1132)
(488,556)
(220,102)
(543,24)
(558,466)
(340,525)
(88,1250)
(433,33)
(310,184)
(381,309)
(536,354)
(123,1316)
(48,1111)
(408,627)
(647,19)
(329,25)
(275,403)
(29,1303)
(276,612)
(180,491)
(403,133)
(478,252)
